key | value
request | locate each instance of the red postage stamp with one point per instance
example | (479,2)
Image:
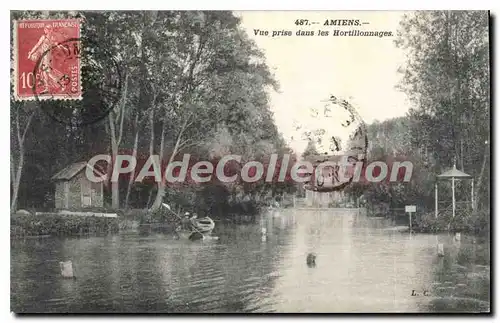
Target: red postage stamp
(46,59)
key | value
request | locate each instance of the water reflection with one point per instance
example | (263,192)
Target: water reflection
(361,266)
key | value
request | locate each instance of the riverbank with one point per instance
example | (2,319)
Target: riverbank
(474,223)
(465,221)
(65,223)
(26,224)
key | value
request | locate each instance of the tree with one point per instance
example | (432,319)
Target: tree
(310,150)
(446,76)
(214,52)
(22,115)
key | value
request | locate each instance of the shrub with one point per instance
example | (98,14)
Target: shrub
(428,223)
(464,221)
(60,225)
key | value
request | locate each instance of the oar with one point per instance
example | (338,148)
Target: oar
(168,208)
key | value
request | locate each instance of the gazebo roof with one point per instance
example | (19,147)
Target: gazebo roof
(454,173)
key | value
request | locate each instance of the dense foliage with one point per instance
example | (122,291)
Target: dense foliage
(193,82)
(446,77)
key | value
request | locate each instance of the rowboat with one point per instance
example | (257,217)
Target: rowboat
(204,225)
(202,228)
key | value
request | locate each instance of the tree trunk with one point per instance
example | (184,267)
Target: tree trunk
(134,154)
(161,184)
(17,181)
(13,196)
(151,147)
(480,179)
(115,186)
(16,175)
(115,193)
(462,154)
(152,133)
(116,139)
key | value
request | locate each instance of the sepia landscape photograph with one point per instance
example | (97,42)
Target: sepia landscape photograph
(245,162)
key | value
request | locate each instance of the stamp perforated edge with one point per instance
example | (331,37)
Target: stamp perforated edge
(14,64)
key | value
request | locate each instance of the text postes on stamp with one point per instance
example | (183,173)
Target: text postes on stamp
(46,60)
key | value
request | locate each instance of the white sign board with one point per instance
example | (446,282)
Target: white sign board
(411,208)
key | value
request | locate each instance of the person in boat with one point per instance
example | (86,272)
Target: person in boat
(186,221)
(192,220)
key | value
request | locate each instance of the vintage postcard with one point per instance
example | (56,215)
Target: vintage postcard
(250,162)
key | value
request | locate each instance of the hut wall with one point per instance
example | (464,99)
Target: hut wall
(59,195)
(75,194)
(78,192)
(96,193)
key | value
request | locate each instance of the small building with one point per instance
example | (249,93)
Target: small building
(74,190)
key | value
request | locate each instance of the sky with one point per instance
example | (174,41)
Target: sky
(362,70)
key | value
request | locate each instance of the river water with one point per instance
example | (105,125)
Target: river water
(362,265)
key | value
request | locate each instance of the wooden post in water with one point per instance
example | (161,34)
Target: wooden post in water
(67,269)
(453,196)
(439,247)
(436,200)
(440,250)
(472,194)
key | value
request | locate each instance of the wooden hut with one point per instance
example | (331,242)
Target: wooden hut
(74,190)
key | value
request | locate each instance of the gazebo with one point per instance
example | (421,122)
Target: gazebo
(453,174)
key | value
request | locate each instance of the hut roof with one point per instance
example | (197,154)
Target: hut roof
(454,172)
(72,170)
